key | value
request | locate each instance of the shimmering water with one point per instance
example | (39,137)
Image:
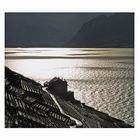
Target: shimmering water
(101,78)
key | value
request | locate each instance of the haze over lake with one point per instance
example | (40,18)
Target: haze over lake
(102,78)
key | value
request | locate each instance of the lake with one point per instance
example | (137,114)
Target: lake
(102,78)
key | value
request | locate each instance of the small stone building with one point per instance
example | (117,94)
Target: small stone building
(58,86)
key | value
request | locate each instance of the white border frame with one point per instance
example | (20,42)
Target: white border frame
(70,6)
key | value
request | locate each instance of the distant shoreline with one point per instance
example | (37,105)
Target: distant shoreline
(40,46)
(67,57)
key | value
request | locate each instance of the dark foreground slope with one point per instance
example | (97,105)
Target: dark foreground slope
(28,106)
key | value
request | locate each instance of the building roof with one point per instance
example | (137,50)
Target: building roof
(58,80)
(30,111)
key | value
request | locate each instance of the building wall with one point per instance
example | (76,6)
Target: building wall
(59,88)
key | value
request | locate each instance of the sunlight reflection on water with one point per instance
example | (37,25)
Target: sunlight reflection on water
(102,78)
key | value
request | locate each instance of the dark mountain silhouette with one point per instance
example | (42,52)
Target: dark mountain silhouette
(116,30)
(30,30)
(54,30)
(43,29)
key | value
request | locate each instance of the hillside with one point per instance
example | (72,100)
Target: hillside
(27,105)
(116,30)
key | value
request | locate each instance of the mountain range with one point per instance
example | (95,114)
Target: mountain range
(42,29)
(116,30)
(69,30)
